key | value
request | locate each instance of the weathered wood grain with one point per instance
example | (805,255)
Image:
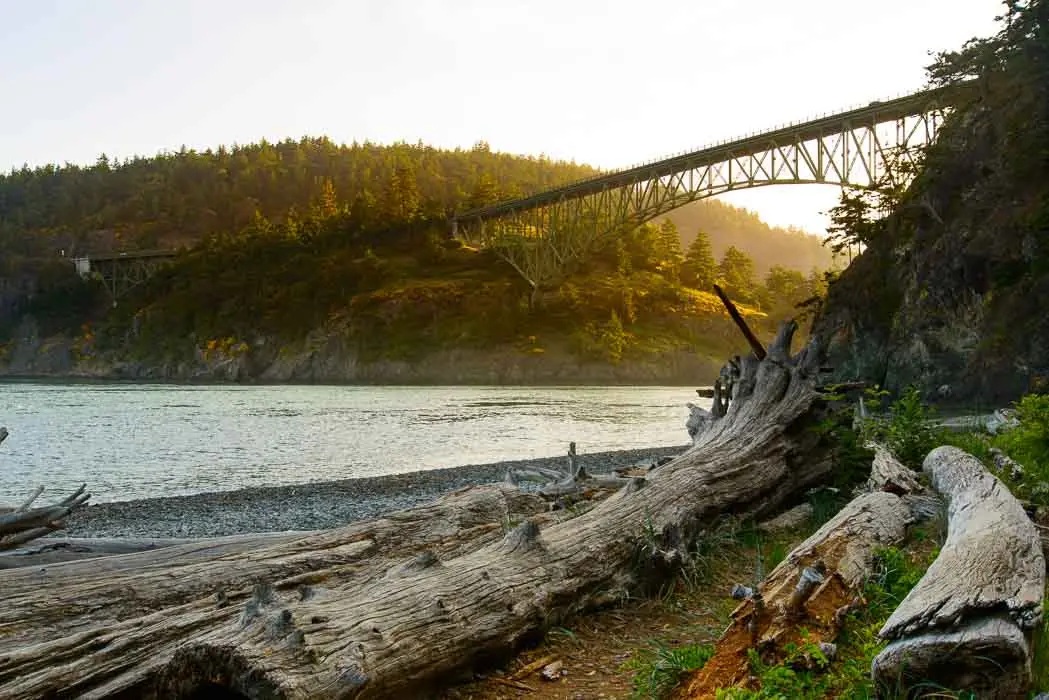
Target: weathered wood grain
(980,597)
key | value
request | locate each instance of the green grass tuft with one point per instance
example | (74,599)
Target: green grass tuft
(658,669)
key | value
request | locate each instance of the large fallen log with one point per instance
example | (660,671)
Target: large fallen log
(806,597)
(69,595)
(966,625)
(329,630)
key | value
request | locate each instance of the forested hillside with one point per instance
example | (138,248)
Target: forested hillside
(767,245)
(178,199)
(294,246)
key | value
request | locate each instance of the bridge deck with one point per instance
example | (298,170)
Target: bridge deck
(884,111)
(132,255)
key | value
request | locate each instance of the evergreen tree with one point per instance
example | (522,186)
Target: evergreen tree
(784,285)
(328,204)
(402,195)
(671,257)
(850,221)
(700,270)
(485,192)
(737,275)
(782,291)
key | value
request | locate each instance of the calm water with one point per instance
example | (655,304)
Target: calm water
(134,441)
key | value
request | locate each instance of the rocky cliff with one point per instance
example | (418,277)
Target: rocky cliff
(952,290)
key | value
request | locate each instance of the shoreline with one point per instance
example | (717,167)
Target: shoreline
(559,383)
(316,505)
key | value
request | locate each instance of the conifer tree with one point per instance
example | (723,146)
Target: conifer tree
(700,269)
(671,257)
(737,275)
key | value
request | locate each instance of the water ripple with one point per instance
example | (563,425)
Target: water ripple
(131,441)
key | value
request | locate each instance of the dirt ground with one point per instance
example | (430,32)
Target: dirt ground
(600,652)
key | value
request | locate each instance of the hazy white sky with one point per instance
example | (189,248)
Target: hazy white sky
(607,82)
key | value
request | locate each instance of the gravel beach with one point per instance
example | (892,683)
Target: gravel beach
(311,506)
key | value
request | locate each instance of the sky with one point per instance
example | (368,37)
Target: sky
(605,82)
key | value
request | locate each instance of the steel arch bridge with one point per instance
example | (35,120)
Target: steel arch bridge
(858,147)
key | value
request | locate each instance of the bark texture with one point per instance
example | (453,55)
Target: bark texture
(307,620)
(811,590)
(966,624)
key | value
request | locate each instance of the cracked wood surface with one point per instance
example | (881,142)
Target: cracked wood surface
(806,597)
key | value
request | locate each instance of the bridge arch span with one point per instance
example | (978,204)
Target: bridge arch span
(859,147)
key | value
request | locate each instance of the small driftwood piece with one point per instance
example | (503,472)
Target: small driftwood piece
(574,480)
(809,593)
(22,524)
(966,624)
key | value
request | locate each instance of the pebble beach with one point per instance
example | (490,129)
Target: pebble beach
(315,505)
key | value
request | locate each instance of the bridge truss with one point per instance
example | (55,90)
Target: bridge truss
(862,147)
(121,272)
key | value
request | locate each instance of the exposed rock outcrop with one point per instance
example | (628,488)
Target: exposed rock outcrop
(950,291)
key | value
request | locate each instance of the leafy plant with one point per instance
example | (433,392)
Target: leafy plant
(1028,442)
(712,547)
(909,433)
(853,459)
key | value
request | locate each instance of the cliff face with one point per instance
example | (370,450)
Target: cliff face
(952,291)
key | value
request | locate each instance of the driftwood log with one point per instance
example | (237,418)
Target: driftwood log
(299,620)
(572,483)
(966,625)
(57,550)
(807,596)
(23,523)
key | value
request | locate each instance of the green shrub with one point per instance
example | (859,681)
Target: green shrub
(909,433)
(852,458)
(1028,443)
